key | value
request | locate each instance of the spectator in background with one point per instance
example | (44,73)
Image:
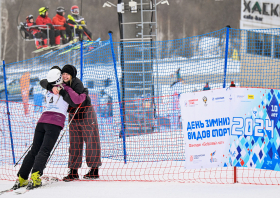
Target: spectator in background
(77,19)
(43,19)
(232,84)
(206,87)
(63,27)
(178,77)
(35,32)
(105,104)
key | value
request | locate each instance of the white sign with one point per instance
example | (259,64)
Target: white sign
(206,128)
(260,14)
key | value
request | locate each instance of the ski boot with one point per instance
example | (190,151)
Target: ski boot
(72,175)
(92,174)
(35,181)
(38,46)
(20,182)
(45,43)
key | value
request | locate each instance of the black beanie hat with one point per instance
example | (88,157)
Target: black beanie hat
(69,69)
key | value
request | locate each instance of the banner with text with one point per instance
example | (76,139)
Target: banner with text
(255,128)
(206,128)
(232,127)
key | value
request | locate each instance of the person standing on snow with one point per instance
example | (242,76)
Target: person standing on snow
(47,131)
(43,19)
(63,27)
(83,128)
(35,32)
(75,19)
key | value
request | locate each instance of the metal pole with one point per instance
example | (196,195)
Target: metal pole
(143,65)
(48,35)
(119,95)
(234,175)
(23,154)
(226,56)
(8,112)
(81,61)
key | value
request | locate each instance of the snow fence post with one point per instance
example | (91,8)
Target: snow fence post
(81,61)
(226,55)
(119,95)
(8,112)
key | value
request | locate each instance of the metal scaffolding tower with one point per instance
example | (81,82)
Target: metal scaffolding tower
(138,28)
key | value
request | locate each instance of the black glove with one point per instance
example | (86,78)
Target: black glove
(85,91)
(66,25)
(49,87)
(62,92)
(50,25)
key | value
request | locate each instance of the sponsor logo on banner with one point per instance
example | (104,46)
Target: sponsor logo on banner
(219,99)
(212,159)
(240,96)
(198,156)
(192,102)
(251,97)
(205,100)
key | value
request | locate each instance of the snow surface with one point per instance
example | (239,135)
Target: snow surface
(101,189)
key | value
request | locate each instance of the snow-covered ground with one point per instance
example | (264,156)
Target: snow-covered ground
(116,189)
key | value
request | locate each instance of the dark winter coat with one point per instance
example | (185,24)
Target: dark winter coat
(78,87)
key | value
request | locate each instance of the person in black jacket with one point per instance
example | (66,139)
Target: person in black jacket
(83,128)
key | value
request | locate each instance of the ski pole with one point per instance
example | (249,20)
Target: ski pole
(23,155)
(84,31)
(63,134)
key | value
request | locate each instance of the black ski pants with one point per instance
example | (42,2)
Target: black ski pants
(64,33)
(43,142)
(40,35)
(79,32)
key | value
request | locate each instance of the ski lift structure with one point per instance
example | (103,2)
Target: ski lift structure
(27,36)
(137,57)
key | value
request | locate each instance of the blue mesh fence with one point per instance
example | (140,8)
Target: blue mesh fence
(150,74)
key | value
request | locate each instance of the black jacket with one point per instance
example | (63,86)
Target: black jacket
(77,86)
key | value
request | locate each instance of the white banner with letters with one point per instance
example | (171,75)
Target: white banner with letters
(206,128)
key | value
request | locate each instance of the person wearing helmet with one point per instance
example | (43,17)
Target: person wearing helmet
(62,26)
(47,131)
(35,32)
(45,21)
(76,19)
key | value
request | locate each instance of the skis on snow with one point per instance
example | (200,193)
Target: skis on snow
(46,180)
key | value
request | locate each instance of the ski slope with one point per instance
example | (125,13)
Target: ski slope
(116,189)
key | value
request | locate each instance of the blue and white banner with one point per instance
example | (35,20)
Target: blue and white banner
(232,127)
(206,128)
(255,128)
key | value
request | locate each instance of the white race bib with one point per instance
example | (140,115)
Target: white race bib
(55,103)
